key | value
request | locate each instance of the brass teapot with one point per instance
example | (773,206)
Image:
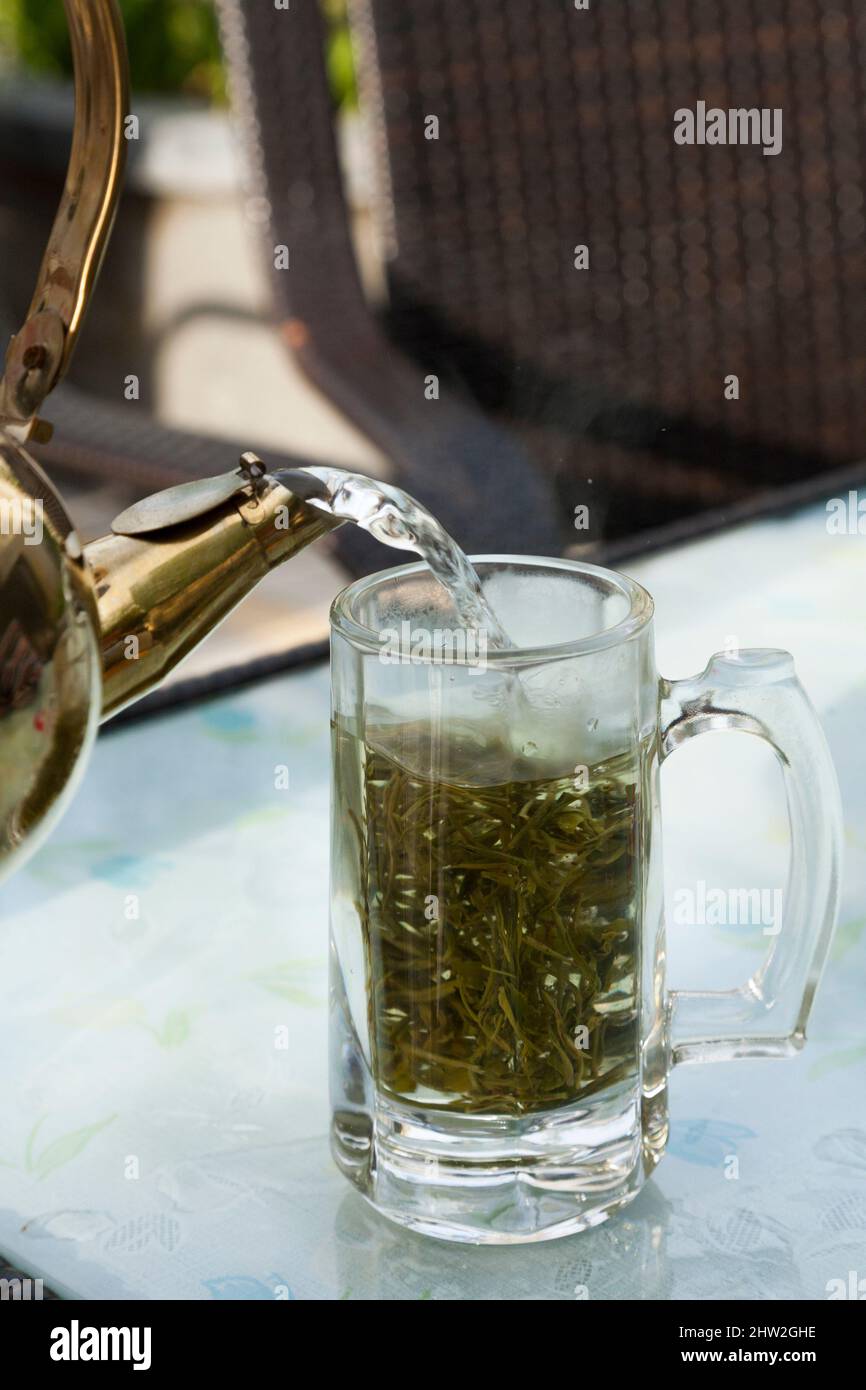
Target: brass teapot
(84,631)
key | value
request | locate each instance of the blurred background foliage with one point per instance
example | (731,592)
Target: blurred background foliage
(173,45)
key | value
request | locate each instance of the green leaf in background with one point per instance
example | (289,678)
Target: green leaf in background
(62,1150)
(174,45)
(341,63)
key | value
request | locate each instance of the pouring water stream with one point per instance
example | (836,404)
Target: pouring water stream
(397,520)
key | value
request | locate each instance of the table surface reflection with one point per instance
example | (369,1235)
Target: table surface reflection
(156,1143)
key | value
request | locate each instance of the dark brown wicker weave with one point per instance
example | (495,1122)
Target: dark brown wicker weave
(559,386)
(555,130)
(704,260)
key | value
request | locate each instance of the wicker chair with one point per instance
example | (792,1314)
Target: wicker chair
(555,129)
(560,386)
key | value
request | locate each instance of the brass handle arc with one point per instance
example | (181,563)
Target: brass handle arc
(39,354)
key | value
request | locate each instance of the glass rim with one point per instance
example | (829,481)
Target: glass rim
(367,639)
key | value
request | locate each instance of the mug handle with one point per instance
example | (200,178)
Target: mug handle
(757,692)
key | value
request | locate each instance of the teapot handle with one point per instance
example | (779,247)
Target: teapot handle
(757,692)
(39,354)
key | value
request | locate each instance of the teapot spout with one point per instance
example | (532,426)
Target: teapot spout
(164,584)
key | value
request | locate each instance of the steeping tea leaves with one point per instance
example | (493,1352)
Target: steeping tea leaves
(500,936)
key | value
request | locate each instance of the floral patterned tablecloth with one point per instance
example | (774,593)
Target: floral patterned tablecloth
(156,1143)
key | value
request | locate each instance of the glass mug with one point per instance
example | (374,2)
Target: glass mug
(501,1028)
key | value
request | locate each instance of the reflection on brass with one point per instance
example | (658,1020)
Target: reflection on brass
(159,595)
(39,354)
(50,676)
(85,632)
(20,669)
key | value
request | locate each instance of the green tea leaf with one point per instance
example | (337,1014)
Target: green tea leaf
(531,946)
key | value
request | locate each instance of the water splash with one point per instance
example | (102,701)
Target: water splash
(397,520)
